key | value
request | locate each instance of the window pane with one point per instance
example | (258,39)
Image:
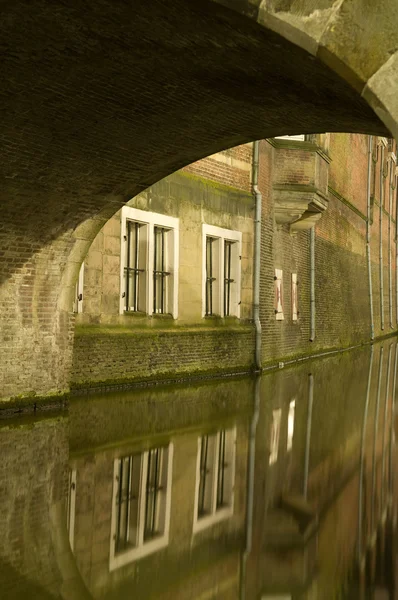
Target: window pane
(222,468)
(127,502)
(155,493)
(206,466)
(228,279)
(210,274)
(134,267)
(160,272)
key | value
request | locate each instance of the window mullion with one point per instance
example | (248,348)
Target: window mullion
(136,265)
(150,273)
(163,276)
(128,265)
(220,276)
(210,276)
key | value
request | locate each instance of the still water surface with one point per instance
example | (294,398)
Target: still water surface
(278,488)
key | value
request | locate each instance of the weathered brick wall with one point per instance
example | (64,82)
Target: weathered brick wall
(92,145)
(109,356)
(280,249)
(341,277)
(231,167)
(155,346)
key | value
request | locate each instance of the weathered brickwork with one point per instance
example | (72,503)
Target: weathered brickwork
(231,167)
(116,348)
(341,276)
(114,357)
(76,148)
(139,347)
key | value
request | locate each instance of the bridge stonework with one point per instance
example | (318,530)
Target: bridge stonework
(91,117)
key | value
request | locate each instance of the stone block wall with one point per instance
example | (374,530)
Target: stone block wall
(193,200)
(115,348)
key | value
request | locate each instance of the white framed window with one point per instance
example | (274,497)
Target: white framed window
(215,476)
(71,506)
(78,299)
(149,262)
(294,295)
(290,424)
(140,505)
(222,250)
(275,435)
(278,278)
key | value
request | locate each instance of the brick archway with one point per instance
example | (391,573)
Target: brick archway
(104,99)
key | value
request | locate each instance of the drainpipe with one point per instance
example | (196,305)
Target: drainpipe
(362,466)
(308,434)
(312,284)
(389,245)
(257,255)
(381,271)
(368,254)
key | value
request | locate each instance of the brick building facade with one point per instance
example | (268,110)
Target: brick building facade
(130,331)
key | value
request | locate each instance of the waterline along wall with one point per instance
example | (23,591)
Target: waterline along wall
(166,289)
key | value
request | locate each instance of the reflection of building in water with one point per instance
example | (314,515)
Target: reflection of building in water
(168,506)
(162,514)
(323,488)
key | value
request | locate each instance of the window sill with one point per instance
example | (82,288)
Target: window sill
(217,319)
(210,520)
(144,315)
(124,558)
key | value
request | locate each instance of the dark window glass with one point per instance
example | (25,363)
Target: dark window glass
(134,275)
(160,274)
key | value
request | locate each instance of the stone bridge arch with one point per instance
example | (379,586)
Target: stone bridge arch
(102,99)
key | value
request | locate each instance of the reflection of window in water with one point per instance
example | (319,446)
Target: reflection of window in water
(141,504)
(70,506)
(275,432)
(290,424)
(214,478)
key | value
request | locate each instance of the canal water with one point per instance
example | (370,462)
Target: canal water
(280,487)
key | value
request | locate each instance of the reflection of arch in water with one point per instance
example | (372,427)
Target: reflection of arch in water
(103,117)
(35,555)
